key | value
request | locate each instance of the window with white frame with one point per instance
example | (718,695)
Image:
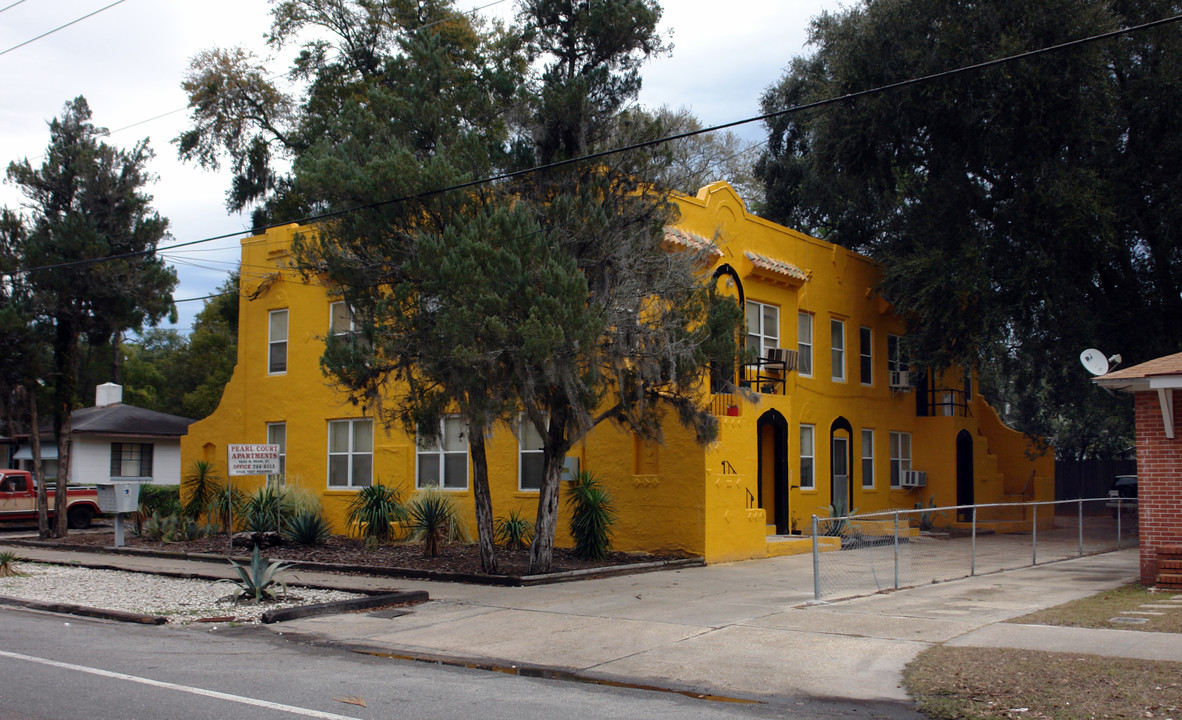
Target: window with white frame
(277,342)
(867,458)
(530,458)
(444,464)
(900,457)
(277,435)
(866,354)
(350,453)
(837,348)
(895,359)
(340,319)
(804,344)
(763,326)
(807,456)
(131,460)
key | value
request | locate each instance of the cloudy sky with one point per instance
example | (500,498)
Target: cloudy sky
(128,60)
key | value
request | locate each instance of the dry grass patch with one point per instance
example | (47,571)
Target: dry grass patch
(983,684)
(1099,610)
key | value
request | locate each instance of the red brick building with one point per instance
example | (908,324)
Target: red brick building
(1157,387)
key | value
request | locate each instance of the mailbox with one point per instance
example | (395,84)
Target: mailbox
(118,497)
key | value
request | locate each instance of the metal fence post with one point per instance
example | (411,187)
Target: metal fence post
(1081,527)
(973,561)
(896,549)
(1118,514)
(816,562)
(1034,536)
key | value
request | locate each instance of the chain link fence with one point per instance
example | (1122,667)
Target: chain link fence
(864,554)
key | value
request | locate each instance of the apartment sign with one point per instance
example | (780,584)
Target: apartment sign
(253,459)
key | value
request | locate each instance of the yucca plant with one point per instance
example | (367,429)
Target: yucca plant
(258,583)
(199,487)
(8,561)
(373,509)
(225,499)
(261,510)
(306,527)
(591,516)
(514,531)
(434,520)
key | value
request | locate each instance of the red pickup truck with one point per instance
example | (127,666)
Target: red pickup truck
(18,499)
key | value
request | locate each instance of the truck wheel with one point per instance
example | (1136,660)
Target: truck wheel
(79,516)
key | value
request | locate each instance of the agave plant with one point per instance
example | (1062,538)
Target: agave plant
(258,583)
(373,509)
(514,531)
(306,527)
(434,520)
(8,561)
(592,516)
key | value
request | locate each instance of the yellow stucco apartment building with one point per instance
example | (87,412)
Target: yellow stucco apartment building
(837,418)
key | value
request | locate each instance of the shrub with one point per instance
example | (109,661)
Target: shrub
(175,528)
(373,509)
(306,527)
(434,520)
(592,516)
(199,489)
(163,499)
(514,531)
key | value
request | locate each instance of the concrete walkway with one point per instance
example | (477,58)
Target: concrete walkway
(744,630)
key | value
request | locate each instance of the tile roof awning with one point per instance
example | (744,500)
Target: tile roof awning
(776,271)
(691,240)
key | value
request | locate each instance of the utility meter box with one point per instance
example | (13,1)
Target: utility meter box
(118,497)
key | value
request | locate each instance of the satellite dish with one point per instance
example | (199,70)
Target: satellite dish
(1094,361)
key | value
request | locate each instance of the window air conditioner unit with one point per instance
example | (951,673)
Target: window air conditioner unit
(900,380)
(914,479)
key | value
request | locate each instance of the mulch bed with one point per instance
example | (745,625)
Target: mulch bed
(344,551)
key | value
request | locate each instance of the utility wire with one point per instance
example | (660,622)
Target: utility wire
(60,27)
(638,146)
(9,7)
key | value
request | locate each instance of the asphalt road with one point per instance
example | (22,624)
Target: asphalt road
(58,667)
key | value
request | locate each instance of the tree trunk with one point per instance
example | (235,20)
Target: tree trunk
(60,501)
(65,353)
(541,551)
(483,500)
(38,472)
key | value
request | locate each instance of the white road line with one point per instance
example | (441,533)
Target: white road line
(182,688)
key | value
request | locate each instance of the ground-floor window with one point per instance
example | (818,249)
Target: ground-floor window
(867,458)
(350,453)
(445,463)
(900,457)
(531,462)
(807,456)
(131,460)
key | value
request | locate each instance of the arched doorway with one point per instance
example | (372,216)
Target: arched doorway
(772,464)
(964,473)
(840,462)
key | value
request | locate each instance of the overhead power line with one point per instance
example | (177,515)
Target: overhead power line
(60,27)
(9,7)
(642,145)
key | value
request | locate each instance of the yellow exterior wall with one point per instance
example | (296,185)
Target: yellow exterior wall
(674,497)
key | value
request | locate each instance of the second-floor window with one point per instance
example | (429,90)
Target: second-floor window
(131,460)
(445,463)
(277,342)
(763,327)
(350,453)
(866,354)
(340,319)
(837,348)
(804,344)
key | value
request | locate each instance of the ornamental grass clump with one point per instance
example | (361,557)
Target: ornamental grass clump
(372,511)
(514,532)
(592,516)
(435,520)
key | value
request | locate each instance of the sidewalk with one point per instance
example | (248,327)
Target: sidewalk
(741,630)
